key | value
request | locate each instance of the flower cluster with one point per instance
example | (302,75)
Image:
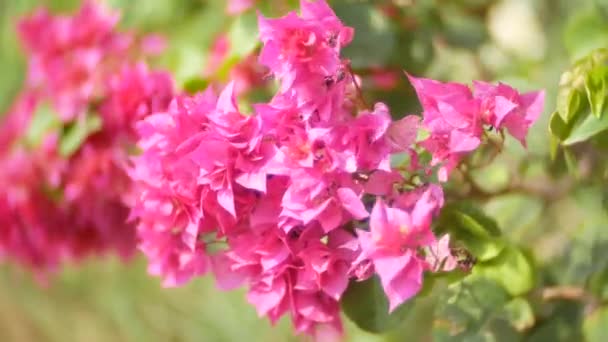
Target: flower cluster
(455,116)
(294,201)
(64,144)
(299,198)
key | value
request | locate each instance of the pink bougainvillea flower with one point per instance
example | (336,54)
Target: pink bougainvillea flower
(452,116)
(402,133)
(71,57)
(278,201)
(503,106)
(303,48)
(440,257)
(392,243)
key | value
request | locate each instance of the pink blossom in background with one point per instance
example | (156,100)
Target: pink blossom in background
(385,79)
(131,94)
(70,57)
(238,6)
(61,207)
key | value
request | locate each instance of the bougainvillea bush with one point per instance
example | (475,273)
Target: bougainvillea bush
(315,159)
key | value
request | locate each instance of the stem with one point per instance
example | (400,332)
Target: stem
(572,293)
(356,84)
(549,192)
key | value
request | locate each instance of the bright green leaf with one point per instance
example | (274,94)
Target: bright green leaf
(595,86)
(44,120)
(511,268)
(422,134)
(595,325)
(558,127)
(195,85)
(587,129)
(243,35)
(571,161)
(77,132)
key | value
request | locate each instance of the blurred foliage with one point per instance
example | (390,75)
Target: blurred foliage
(535,221)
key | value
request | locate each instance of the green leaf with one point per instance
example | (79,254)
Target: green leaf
(44,120)
(367,306)
(595,86)
(587,129)
(76,132)
(585,31)
(511,268)
(571,161)
(558,127)
(469,225)
(598,283)
(563,324)
(570,99)
(400,159)
(519,313)
(195,84)
(422,134)
(574,104)
(243,35)
(461,28)
(595,325)
(373,33)
(467,306)
(477,221)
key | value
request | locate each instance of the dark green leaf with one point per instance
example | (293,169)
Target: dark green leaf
(461,28)
(477,221)
(373,33)
(470,226)
(465,308)
(563,324)
(367,306)
(519,313)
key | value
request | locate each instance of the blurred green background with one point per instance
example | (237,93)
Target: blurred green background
(527,43)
